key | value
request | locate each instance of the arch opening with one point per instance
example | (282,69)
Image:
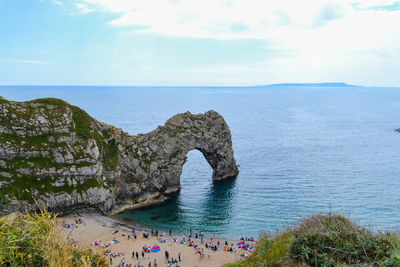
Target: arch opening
(196,170)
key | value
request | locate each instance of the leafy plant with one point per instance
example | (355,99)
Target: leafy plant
(326,240)
(31,240)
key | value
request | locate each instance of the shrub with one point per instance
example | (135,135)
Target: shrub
(326,240)
(31,240)
(269,252)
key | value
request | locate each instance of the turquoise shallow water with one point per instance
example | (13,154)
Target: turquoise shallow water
(300,150)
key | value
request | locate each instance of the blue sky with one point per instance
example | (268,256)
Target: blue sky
(209,42)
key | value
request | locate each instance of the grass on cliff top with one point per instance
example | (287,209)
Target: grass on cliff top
(49,101)
(83,128)
(31,240)
(81,118)
(326,240)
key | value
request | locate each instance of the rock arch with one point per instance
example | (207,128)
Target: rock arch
(55,153)
(161,154)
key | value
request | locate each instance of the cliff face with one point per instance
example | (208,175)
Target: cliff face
(58,155)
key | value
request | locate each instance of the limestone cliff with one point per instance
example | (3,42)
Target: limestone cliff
(55,153)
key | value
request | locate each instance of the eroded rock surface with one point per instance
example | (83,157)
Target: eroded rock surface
(56,154)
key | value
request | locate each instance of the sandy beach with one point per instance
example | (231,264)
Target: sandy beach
(100,231)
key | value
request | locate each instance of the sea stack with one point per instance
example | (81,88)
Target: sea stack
(54,154)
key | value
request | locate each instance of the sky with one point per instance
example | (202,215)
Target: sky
(199,42)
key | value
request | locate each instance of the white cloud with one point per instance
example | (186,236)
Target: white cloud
(24,61)
(57,2)
(322,35)
(83,8)
(374,3)
(220,18)
(312,25)
(261,19)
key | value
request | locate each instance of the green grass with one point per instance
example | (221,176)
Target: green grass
(110,155)
(23,186)
(82,122)
(326,240)
(49,101)
(42,163)
(29,140)
(31,240)
(81,119)
(82,126)
(175,154)
(28,188)
(131,180)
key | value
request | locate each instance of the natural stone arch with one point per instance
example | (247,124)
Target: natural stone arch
(166,148)
(56,154)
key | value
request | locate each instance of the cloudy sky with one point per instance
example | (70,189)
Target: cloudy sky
(199,42)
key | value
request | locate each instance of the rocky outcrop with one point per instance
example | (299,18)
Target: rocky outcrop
(56,155)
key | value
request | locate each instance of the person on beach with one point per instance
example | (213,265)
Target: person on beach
(133,254)
(179,257)
(155,263)
(170,231)
(137,255)
(166,255)
(197,233)
(143,254)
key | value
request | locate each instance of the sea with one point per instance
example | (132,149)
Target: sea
(301,150)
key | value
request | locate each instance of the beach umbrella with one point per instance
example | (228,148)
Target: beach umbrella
(155,248)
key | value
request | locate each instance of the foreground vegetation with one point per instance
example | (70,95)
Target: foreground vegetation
(31,240)
(326,240)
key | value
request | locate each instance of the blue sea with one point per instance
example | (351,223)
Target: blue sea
(301,150)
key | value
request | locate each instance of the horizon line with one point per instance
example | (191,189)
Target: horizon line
(321,84)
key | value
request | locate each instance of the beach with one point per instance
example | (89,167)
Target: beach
(108,237)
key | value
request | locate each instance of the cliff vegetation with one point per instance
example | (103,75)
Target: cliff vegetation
(326,240)
(31,240)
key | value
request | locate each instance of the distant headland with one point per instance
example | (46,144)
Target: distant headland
(331,84)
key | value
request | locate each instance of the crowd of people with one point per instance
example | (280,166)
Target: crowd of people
(145,258)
